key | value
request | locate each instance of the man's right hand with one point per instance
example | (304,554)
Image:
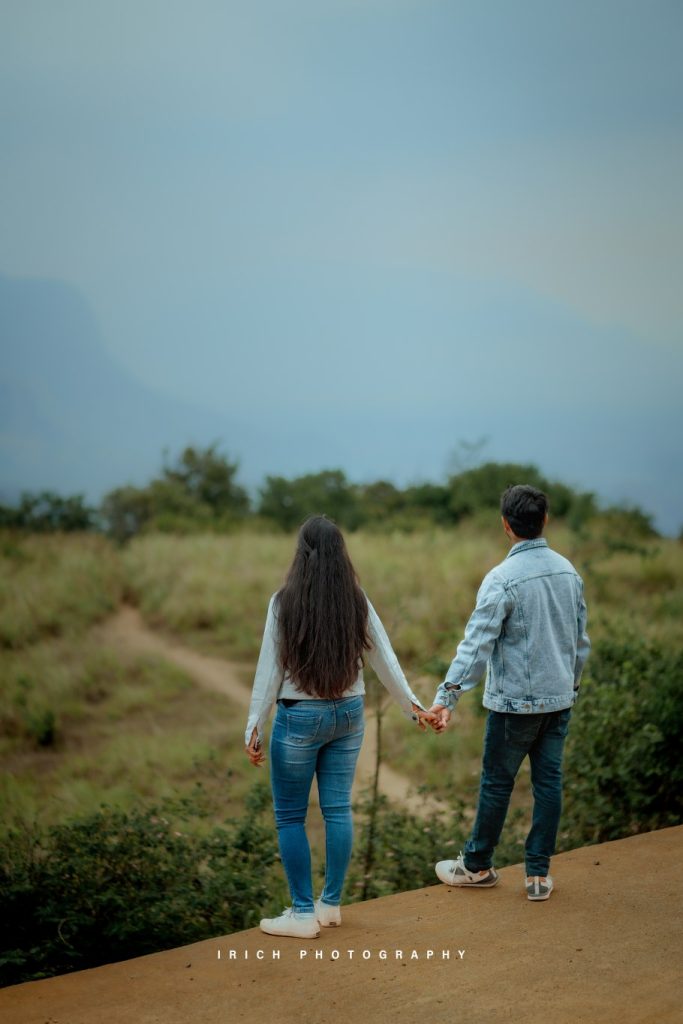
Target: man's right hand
(441,715)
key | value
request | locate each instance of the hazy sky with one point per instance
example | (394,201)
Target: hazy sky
(321,215)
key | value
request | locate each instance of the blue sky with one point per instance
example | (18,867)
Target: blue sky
(371,228)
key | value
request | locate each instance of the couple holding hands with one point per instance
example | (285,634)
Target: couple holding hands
(528,630)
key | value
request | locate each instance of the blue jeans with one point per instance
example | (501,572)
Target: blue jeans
(509,737)
(322,737)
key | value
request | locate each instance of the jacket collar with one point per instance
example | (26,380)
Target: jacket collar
(524,545)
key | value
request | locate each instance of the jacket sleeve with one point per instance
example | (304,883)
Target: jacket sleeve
(583,644)
(385,663)
(268,677)
(494,603)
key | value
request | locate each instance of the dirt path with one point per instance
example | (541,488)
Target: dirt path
(128,629)
(606,947)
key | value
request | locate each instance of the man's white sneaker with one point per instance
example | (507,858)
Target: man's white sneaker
(539,887)
(454,872)
(328,916)
(292,922)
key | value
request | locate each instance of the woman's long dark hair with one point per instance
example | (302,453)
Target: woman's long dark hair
(322,613)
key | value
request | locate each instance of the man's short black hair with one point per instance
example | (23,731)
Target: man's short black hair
(524,507)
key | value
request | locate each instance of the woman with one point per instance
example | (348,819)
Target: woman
(317,628)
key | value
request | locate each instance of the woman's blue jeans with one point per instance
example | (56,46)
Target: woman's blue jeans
(508,739)
(322,737)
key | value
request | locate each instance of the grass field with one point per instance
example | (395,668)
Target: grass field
(82,722)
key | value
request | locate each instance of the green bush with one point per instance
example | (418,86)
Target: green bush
(48,512)
(623,766)
(115,885)
(25,712)
(41,726)
(288,502)
(396,851)
(198,490)
(481,488)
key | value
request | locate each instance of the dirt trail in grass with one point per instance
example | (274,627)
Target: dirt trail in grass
(128,629)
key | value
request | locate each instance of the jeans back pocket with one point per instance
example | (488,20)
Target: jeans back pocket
(521,730)
(303,725)
(355,718)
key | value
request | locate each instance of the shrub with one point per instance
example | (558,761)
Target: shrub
(623,768)
(41,726)
(114,885)
(482,486)
(396,851)
(200,488)
(48,512)
(288,502)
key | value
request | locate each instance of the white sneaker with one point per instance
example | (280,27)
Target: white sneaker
(539,887)
(454,872)
(292,922)
(327,915)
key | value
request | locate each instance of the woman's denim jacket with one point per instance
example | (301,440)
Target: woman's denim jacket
(529,630)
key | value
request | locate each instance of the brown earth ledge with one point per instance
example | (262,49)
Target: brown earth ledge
(605,947)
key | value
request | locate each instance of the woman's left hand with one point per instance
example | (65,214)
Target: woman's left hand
(253,751)
(422,717)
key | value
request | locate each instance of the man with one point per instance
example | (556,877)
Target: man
(529,629)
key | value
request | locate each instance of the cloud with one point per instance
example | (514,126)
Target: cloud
(392,192)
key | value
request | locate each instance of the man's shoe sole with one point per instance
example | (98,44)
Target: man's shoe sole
(470,885)
(537,897)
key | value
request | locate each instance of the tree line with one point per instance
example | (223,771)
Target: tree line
(199,490)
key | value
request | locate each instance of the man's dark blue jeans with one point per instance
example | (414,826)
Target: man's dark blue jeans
(509,737)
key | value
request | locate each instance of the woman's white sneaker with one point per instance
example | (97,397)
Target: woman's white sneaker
(328,916)
(292,922)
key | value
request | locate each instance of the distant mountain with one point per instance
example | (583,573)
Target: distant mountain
(591,406)
(74,420)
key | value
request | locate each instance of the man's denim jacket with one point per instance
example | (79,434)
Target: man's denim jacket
(529,630)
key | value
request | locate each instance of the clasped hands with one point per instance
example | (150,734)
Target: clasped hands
(437,717)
